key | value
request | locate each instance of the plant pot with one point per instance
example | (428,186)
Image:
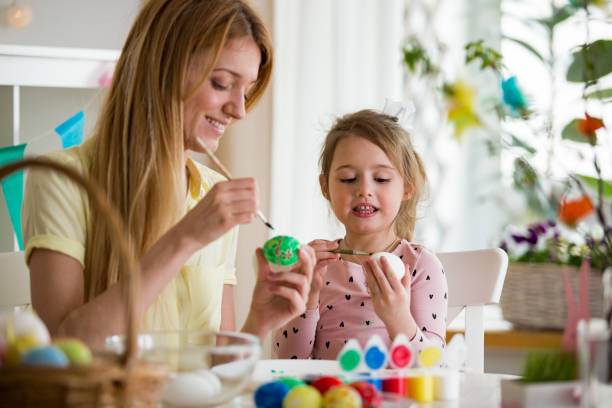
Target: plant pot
(534,295)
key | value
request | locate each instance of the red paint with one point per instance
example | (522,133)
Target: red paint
(395,385)
(401,356)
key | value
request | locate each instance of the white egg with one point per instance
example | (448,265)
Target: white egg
(189,389)
(25,323)
(396,263)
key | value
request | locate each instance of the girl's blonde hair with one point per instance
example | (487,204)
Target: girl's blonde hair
(385,132)
(138,142)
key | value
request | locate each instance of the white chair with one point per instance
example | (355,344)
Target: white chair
(14,281)
(475,278)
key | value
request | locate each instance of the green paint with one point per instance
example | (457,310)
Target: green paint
(291,382)
(350,360)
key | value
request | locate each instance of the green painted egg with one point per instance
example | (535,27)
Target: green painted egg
(76,351)
(281,250)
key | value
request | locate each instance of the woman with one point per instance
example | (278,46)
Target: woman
(187,70)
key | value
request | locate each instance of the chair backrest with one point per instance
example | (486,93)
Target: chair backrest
(475,278)
(14,281)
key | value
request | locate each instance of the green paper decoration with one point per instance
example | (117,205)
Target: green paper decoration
(12,187)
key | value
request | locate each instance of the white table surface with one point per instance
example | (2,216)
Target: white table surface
(477,390)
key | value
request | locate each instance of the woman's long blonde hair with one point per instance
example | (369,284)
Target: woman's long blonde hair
(385,132)
(138,147)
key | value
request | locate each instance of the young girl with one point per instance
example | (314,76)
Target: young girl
(373,179)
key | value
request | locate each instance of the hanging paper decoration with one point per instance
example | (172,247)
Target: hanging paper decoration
(12,187)
(69,133)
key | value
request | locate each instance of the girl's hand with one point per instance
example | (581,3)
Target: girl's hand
(390,297)
(226,205)
(324,258)
(279,297)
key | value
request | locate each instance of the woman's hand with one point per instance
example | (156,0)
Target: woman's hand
(279,297)
(324,257)
(390,297)
(226,205)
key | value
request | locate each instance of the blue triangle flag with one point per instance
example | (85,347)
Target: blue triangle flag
(12,187)
(71,131)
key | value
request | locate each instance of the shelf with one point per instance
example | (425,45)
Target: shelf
(54,66)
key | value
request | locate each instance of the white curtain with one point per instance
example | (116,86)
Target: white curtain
(332,57)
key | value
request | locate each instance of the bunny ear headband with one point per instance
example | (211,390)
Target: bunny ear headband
(402,110)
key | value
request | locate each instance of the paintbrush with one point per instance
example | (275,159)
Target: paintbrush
(227,174)
(351,252)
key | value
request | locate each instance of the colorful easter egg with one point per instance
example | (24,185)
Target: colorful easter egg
(370,397)
(76,351)
(18,348)
(45,356)
(291,382)
(342,396)
(282,252)
(325,383)
(270,395)
(302,396)
(396,263)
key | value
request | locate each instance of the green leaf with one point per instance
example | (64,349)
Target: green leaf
(593,183)
(571,132)
(516,142)
(559,15)
(527,46)
(600,94)
(591,62)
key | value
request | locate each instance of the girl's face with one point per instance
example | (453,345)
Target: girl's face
(221,97)
(365,188)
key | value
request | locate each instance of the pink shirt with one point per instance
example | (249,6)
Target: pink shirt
(345,309)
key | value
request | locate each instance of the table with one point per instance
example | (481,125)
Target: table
(477,390)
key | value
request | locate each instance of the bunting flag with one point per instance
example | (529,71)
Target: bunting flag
(70,134)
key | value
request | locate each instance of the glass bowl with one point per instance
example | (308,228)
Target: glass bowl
(206,368)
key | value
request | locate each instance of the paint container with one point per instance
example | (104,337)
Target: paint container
(446,385)
(420,388)
(351,356)
(394,385)
(401,354)
(375,354)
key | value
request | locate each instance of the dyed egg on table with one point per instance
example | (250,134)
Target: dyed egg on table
(324,383)
(48,356)
(18,348)
(282,253)
(302,396)
(396,263)
(193,388)
(270,395)
(370,397)
(342,396)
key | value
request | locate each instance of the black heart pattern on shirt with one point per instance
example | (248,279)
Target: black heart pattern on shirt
(348,297)
(445,296)
(327,344)
(401,257)
(294,357)
(431,296)
(330,307)
(303,315)
(367,322)
(424,328)
(295,330)
(277,344)
(351,279)
(326,283)
(421,339)
(341,324)
(427,278)
(414,273)
(285,333)
(362,304)
(434,315)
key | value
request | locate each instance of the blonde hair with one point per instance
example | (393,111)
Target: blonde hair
(138,142)
(385,132)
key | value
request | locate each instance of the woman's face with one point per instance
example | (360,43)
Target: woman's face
(221,97)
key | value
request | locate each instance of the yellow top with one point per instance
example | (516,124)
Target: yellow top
(55,216)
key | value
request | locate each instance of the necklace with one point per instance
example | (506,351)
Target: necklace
(355,252)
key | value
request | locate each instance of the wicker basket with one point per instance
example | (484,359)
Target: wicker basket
(534,295)
(110,380)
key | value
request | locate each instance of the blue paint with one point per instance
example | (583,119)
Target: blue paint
(270,395)
(375,358)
